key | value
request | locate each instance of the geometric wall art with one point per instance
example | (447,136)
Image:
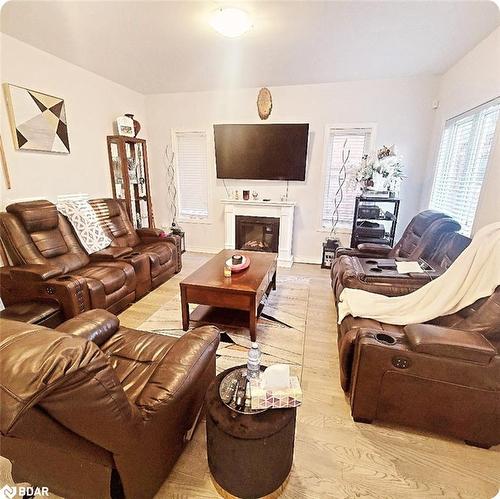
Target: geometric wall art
(37,120)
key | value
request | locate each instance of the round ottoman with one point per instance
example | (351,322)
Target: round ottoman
(249,455)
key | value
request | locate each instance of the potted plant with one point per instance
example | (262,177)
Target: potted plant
(381,171)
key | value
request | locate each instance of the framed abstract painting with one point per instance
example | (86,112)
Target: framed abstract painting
(38,120)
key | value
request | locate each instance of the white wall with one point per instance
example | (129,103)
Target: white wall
(473,80)
(92,105)
(402,109)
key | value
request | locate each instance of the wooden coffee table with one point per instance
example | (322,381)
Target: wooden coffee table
(207,286)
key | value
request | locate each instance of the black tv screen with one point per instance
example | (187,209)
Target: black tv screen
(261,152)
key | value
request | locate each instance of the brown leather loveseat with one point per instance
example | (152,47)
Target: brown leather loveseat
(443,376)
(437,248)
(96,410)
(48,262)
(50,265)
(420,238)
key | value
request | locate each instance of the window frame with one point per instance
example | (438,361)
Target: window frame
(453,120)
(342,228)
(192,218)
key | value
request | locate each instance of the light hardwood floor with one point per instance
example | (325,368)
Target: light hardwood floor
(335,457)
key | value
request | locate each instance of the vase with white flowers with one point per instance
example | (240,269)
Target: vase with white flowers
(381,171)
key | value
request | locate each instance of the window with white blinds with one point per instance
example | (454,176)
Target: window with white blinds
(192,173)
(357,141)
(462,160)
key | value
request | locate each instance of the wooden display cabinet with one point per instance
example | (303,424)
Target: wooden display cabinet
(128,163)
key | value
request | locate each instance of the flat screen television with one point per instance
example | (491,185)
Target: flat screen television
(261,152)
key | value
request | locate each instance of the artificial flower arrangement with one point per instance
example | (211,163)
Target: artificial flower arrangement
(381,171)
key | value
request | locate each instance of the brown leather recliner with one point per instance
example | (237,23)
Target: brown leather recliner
(379,274)
(49,263)
(443,376)
(95,410)
(164,252)
(447,251)
(419,240)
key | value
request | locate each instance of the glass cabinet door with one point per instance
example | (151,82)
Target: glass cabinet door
(142,186)
(137,183)
(118,180)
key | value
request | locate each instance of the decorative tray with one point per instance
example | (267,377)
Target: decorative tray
(241,266)
(233,386)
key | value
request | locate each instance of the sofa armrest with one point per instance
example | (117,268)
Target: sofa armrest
(69,291)
(365,250)
(180,369)
(150,232)
(35,272)
(451,343)
(94,325)
(374,249)
(110,254)
(153,235)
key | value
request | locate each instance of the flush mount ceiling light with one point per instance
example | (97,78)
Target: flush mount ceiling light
(230,22)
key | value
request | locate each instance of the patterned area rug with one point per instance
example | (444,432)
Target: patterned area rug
(280,327)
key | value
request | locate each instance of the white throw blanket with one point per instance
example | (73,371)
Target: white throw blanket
(85,223)
(473,275)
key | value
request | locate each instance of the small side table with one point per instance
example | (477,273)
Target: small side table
(249,455)
(182,235)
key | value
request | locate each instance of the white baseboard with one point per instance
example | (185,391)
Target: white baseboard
(307,259)
(296,259)
(192,249)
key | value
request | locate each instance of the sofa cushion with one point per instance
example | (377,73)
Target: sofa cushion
(161,249)
(448,250)
(112,278)
(134,355)
(50,243)
(35,215)
(114,219)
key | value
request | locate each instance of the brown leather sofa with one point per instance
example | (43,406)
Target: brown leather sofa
(379,274)
(442,377)
(420,238)
(163,252)
(96,410)
(50,265)
(48,262)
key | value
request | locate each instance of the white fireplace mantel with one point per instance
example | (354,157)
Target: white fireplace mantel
(283,210)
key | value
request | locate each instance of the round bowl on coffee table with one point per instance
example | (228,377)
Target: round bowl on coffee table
(239,267)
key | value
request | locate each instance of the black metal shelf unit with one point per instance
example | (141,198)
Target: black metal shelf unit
(375,220)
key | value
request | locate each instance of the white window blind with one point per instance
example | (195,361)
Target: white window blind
(192,173)
(461,164)
(358,143)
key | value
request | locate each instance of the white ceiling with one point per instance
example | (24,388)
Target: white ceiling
(161,46)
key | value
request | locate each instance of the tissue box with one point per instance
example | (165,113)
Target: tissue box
(261,398)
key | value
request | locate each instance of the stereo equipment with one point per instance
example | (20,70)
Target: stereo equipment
(370,229)
(368,212)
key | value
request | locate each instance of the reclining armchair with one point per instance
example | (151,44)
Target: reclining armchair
(379,274)
(442,377)
(95,410)
(162,251)
(49,264)
(419,239)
